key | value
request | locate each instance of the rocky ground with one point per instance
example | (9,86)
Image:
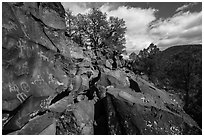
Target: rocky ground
(50,85)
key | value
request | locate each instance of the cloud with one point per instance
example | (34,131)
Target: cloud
(183,28)
(81,7)
(137,21)
(186,6)
(144,28)
(76,7)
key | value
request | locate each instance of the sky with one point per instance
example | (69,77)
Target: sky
(165,24)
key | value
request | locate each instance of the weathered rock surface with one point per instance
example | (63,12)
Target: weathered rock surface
(52,86)
(34,52)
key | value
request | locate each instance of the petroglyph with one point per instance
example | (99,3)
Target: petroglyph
(13,87)
(9,26)
(38,81)
(25,87)
(21,96)
(22,45)
(43,57)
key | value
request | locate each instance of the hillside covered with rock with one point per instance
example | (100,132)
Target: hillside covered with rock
(52,86)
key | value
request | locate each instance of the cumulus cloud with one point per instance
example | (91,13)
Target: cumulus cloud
(76,7)
(81,7)
(144,28)
(137,21)
(183,28)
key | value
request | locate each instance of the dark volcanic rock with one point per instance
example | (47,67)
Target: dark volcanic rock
(36,125)
(31,70)
(50,85)
(145,113)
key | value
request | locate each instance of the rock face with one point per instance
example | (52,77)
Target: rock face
(52,86)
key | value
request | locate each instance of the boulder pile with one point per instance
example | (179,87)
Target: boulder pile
(51,86)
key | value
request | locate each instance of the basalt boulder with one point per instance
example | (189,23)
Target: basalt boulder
(151,111)
(35,56)
(50,85)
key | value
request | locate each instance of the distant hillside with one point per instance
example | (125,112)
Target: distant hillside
(180,68)
(177,53)
(174,50)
